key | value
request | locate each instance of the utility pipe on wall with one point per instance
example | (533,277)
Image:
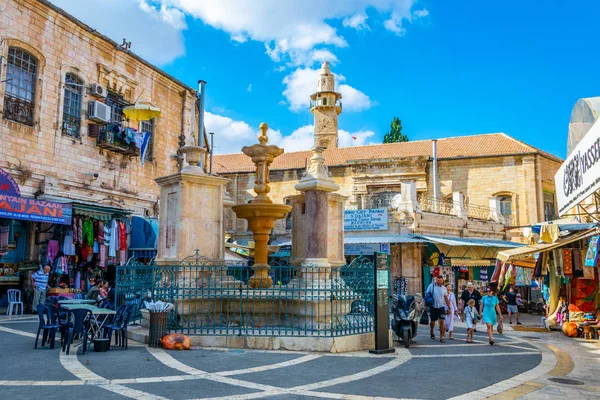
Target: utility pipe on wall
(201,95)
(212,137)
(435,188)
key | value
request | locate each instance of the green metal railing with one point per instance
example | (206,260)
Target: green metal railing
(214,299)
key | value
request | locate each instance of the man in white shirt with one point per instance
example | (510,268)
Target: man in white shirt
(438,311)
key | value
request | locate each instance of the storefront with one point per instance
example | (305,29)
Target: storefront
(21,220)
(462,260)
(569,268)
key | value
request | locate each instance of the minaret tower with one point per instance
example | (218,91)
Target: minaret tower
(326,106)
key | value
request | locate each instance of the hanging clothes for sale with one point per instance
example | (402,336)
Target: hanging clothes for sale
(578,259)
(100,236)
(4,234)
(497,270)
(53,249)
(79,231)
(591,256)
(558,263)
(113,228)
(68,247)
(483,273)
(567,256)
(123,235)
(88,232)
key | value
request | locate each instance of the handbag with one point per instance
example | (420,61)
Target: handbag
(500,327)
(429,297)
(424,319)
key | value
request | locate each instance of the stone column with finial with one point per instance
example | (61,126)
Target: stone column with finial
(323,234)
(191,212)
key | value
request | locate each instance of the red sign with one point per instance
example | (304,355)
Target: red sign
(8,186)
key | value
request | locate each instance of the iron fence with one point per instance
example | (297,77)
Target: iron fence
(215,298)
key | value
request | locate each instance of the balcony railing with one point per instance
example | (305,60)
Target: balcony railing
(71,126)
(18,110)
(319,102)
(431,205)
(114,139)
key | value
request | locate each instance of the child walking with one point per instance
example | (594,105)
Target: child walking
(471,319)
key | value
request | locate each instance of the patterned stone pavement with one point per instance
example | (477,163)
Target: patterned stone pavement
(521,365)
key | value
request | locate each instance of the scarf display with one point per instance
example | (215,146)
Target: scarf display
(567,256)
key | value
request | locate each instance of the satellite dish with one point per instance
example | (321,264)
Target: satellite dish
(584,115)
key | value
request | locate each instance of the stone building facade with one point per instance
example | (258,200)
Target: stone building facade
(486,184)
(52,67)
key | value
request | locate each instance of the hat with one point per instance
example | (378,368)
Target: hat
(470,284)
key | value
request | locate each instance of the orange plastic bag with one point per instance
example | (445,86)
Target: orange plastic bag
(176,341)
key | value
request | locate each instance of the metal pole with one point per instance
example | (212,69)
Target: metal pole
(202,96)
(435,192)
(212,137)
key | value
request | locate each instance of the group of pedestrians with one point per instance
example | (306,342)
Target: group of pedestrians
(443,309)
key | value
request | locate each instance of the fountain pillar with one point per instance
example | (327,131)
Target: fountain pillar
(261,213)
(191,212)
(323,238)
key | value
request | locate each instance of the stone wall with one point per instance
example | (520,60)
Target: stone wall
(62,45)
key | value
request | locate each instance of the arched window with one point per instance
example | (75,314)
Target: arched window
(506,206)
(19,93)
(72,105)
(324,101)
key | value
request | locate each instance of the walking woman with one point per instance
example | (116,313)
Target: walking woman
(489,309)
(449,319)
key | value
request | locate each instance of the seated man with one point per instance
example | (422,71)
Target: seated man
(94,291)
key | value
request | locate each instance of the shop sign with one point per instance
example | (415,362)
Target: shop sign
(375,219)
(579,176)
(356,249)
(15,207)
(8,186)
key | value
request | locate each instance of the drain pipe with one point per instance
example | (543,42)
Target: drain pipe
(212,137)
(202,96)
(435,188)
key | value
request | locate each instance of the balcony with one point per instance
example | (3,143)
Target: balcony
(319,102)
(111,137)
(18,110)
(71,126)
(430,205)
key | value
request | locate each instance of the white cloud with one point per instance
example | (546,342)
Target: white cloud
(421,13)
(357,21)
(291,30)
(249,88)
(232,135)
(301,83)
(155,31)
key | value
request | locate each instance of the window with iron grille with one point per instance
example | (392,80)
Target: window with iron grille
(116,108)
(148,126)
(72,105)
(19,93)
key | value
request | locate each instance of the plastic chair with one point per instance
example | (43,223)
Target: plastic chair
(61,319)
(46,325)
(78,327)
(115,325)
(14,300)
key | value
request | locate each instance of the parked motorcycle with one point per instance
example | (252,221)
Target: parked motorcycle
(407,312)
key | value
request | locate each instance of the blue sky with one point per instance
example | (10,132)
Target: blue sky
(446,68)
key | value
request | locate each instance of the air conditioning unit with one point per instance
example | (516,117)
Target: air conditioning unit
(98,91)
(98,112)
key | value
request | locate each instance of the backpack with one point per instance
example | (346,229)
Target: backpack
(429,298)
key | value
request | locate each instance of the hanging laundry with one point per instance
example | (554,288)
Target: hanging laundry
(549,233)
(138,139)
(567,255)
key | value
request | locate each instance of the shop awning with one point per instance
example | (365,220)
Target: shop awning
(465,262)
(458,241)
(565,224)
(144,234)
(524,252)
(98,211)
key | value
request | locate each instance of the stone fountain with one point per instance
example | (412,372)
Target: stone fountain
(261,213)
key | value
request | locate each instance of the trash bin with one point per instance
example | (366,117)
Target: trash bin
(158,328)
(101,345)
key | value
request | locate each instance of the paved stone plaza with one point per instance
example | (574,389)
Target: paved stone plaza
(519,366)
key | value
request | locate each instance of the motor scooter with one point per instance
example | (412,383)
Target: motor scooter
(407,312)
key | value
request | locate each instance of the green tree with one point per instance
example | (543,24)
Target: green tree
(395,134)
